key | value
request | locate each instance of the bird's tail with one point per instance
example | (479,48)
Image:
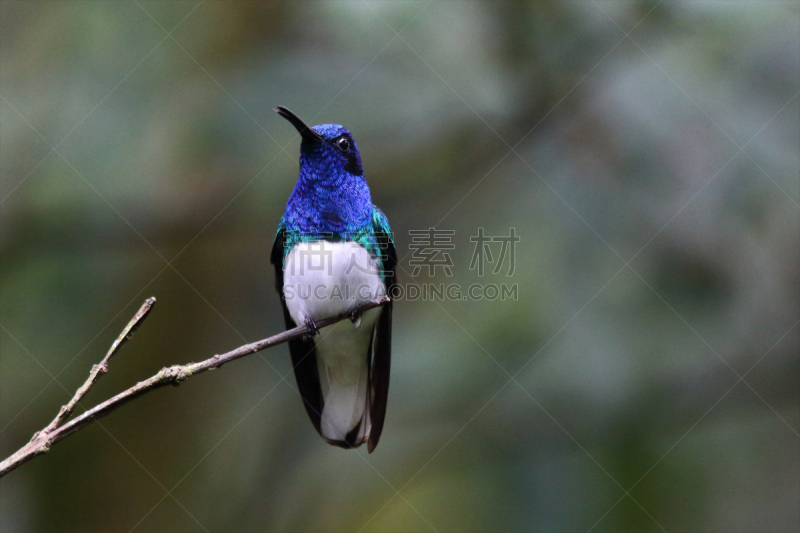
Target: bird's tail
(345,414)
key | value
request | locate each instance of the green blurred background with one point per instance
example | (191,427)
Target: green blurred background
(654,182)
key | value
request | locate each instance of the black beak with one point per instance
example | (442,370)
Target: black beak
(307,133)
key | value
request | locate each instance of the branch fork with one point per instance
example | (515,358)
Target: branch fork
(61,426)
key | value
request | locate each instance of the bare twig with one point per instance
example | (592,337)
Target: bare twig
(55,431)
(102,368)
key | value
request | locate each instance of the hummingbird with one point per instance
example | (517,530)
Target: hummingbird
(334,252)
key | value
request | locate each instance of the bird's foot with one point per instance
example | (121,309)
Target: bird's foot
(355,317)
(311,326)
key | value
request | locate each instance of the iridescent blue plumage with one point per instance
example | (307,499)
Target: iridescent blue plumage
(331,196)
(343,376)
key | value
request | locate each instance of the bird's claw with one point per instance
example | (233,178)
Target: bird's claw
(311,326)
(355,317)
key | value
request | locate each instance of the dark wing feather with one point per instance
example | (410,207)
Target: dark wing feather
(382,356)
(302,350)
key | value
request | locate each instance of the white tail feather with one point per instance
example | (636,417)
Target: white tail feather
(345,401)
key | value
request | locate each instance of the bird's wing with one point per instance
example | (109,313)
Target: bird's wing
(382,354)
(302,350)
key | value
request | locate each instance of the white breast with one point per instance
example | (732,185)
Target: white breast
(322,279)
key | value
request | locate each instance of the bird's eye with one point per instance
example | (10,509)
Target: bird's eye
(343,144)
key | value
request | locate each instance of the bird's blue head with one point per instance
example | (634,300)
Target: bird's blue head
(331,195)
